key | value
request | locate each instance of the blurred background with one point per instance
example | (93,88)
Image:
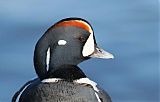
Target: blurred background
(126,28)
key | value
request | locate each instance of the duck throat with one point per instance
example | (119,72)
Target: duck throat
(66,72)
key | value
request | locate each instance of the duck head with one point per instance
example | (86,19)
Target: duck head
(68,42)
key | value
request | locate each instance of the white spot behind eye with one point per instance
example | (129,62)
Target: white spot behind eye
(62,42)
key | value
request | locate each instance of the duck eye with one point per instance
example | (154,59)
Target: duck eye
(82,39)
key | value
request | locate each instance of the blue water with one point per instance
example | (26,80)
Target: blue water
(126,28)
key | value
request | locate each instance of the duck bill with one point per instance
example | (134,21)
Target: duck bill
(100,53)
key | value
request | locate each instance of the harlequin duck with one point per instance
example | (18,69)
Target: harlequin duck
(57,54)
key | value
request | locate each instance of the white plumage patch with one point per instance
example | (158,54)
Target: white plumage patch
(90,82)
(17,100)
(48,58)
(62,42)
(51,80)
(97,97)
(88,48)
(87,81)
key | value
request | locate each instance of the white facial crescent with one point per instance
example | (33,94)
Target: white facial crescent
(88,48)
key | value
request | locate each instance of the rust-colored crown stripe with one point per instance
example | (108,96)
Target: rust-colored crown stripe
(80,24)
